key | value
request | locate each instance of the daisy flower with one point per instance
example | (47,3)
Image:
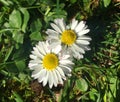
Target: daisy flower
(49,65)
(71,37)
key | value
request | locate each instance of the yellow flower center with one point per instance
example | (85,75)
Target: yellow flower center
(68,37)
(50,61)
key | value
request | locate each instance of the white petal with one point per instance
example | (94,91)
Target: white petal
(64,51)
(87,48)
(57,49)
(55,27)
(33,56)
(75,53)
(84,42)
(55,82)
(74,24)
(51,40)
(56,21)
(66,71)
(36,73)
(35,61)
(64,57)
(78,49)
(61,23)
(50,79)
(32,64)
(83,32)
(36,52)
(40,48)
(45,47)
(66,67)
(35,66)
(84,38)
(61,73)
(54,44)
(45,78)
(43,73)
(78,55)
(50,31)
(80,26)
(65,62)
(52,36)
(60,81)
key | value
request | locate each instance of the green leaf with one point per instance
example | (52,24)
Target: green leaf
(26,17)
(15,19)
(24,77)
(106,2)
(9,51)
(73,1)
(11,67)
(93,94)
(35,25)
(30,2)
(18,36)
(17,97)
(6,3)
(81,84)
(0,37)
(36,36)
(20,65)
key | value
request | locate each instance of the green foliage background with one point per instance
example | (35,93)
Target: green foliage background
(96,78)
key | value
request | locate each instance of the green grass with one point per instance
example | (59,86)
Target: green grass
(95,78)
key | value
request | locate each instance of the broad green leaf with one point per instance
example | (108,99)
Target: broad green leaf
(36,36)
(81,84)
(11,67)
(73,1)
(106,2)
(24,77)
(15,19)
(35,25)
(20,65)
(18,53)
(25,18)
(93,94)
(6,3)
(30,2)
(18,36)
